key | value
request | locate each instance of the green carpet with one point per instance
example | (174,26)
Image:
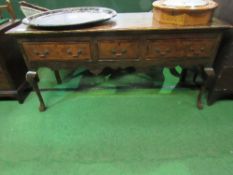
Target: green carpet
(114,131)
(4,20)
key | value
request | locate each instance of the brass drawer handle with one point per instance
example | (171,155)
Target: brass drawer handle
(79,52)
(42,54)
(202,49)
(119,53)
(162,53)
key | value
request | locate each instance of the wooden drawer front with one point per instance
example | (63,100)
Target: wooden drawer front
(118,49)
(180,48)
(57,51)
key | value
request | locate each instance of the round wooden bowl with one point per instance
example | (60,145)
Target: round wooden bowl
(184,16)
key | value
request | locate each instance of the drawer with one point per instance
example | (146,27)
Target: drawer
(57,51)
(118,49)
(180,48)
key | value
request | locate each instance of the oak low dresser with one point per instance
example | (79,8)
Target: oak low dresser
(130,39)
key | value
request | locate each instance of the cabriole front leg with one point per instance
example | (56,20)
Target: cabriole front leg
(33,79)
(208,75)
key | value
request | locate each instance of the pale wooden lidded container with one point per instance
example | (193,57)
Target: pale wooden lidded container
(184,15)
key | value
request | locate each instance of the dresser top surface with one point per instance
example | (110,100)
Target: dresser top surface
(122,22)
